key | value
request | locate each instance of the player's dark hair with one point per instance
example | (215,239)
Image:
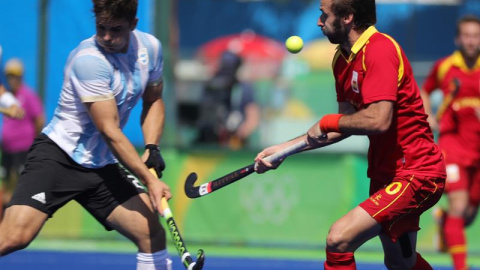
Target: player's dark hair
(467,19)
(116,9)
(364,11)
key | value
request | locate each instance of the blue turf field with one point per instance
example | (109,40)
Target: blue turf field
(48,260)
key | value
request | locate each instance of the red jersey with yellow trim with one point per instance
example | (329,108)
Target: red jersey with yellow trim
(460,120)
(378,70)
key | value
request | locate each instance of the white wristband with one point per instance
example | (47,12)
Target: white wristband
(7,100)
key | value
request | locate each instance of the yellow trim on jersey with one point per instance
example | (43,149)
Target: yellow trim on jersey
(456,59)
(392,202)
(359,44)
(466,102)
(457,249)
(97,98)
(335,57)
(363,57)
(420,204)
(459,61)
(401,68)
(362,40)
(444,68)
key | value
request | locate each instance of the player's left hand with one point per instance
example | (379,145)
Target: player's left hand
(153,159)
(261,165)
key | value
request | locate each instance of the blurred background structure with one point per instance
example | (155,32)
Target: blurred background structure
(292,91)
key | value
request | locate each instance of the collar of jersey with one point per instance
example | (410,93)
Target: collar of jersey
(361,41)
(458,61)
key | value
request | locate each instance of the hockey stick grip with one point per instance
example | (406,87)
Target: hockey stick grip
(292,149)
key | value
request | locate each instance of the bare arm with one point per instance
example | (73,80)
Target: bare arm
(313,137)
(153,114)
(314,134)
(375,119)
(104,114)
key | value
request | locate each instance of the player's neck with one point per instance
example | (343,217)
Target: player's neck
(352,37)
(470,61)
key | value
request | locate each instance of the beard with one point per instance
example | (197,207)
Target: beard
(470,52)
(338,34)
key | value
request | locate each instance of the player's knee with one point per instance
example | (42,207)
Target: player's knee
(151,239)
(336,241)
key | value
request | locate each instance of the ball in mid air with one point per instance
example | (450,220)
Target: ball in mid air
(294,44)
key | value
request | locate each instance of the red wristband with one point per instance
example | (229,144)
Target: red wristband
(329,123)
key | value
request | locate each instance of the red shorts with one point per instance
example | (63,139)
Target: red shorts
(461,177)
(397,205)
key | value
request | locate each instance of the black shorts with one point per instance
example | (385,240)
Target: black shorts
(51,179)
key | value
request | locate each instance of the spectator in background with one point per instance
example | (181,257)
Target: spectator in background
(228,111)
(458,77)
(8,104)
(18,134)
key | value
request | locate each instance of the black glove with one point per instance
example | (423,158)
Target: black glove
(155,159)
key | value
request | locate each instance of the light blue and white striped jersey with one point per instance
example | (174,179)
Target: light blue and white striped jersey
(92,75)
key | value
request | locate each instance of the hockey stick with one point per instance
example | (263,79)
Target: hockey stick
(198,191)
(177,238)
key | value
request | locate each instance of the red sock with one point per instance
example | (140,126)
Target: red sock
(454,231)
(421,264)
(342,261)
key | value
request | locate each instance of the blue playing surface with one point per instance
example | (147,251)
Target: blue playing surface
(48,260)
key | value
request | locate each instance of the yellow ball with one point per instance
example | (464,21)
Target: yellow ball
(294,44)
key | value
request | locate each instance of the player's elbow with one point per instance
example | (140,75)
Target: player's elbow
(108,132)
(381,125)
(379,116)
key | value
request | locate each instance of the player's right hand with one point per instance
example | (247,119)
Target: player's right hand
(158,189)
(261,165)
(315,136)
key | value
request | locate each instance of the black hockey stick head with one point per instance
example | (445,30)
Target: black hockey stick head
(200,260)
(190,190)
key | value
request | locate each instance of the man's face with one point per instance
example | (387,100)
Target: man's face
(468,39)
(113,35)
(14,82)
(332,26)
